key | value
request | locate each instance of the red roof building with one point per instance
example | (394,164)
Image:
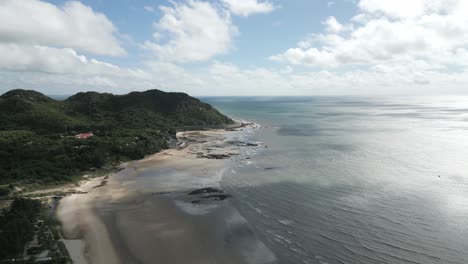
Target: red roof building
(84,135)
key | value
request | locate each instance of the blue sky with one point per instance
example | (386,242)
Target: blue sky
(284,27)
(236,47)
(260,35)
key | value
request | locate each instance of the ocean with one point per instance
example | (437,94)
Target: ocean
(354,180)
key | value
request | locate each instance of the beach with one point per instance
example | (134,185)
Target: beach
(166,208)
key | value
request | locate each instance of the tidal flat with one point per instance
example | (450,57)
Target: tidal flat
(166,208)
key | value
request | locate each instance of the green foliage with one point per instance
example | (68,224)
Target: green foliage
(33,111)
(4,191)
(37,142)
(17,226)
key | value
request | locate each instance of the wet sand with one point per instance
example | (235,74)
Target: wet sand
(146,213)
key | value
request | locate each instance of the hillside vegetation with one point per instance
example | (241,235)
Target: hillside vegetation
(17,226)
(37,133)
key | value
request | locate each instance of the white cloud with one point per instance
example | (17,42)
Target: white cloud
(396,50)
(248,7)
(196,31)
(229,79)
(394,8)
(73,25)
(390,32)
(332,25)
(63,63)
(412,9)
(149,8)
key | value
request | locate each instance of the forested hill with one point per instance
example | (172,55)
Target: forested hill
(154,109)
(38,134)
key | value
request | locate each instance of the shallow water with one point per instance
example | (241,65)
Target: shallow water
(355,180)
(157,210)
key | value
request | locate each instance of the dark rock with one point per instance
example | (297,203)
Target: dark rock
(160,193)
(219,197)
(243,144)
(205,190)
(217,156)
(103,183)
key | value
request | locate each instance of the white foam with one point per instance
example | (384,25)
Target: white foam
(286,222)
(196,209)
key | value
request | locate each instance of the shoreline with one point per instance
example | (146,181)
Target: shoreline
(67,188)
(121,221)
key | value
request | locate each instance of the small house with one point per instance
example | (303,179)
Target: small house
(84,135)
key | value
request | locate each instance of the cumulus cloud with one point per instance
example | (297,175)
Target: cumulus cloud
(248,7)
(72,25)
(40,44)
(42,59)
(193,30)
(333,26)
(390,31)
(412,9)
(394,8)
(221,78)
(384,49)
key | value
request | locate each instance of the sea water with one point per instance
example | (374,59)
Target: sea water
(354,180)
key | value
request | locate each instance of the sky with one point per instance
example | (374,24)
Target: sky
(236,47)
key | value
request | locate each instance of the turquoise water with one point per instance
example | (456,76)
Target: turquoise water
(355,180)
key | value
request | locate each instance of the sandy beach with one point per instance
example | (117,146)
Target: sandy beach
(166,208)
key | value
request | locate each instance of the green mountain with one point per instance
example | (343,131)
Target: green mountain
(37,133)
(30,110)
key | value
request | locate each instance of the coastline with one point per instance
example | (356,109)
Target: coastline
(168,203)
